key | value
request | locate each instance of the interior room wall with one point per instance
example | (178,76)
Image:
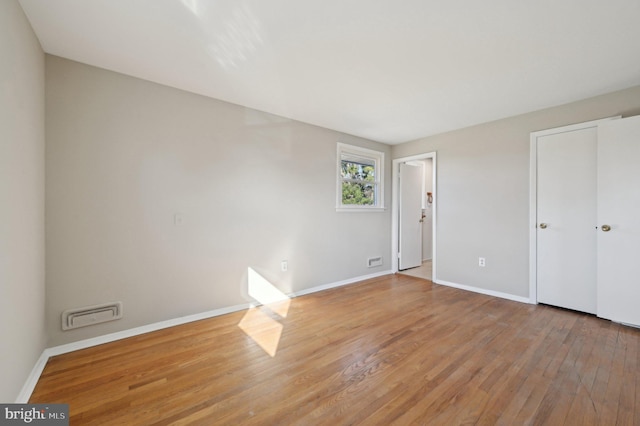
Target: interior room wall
(483,191)
(163,199)
(22,281)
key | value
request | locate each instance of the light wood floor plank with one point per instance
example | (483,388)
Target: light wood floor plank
(391,350)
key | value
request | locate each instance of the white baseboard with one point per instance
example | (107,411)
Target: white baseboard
(32,380)
(340,283)
(485,291)
(112,337)
(34,376)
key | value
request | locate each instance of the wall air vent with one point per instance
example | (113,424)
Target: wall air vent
(90,315)
(374,261)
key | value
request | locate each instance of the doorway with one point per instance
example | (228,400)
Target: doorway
(425,214)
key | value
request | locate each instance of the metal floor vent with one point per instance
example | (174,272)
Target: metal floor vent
(89,315)
(374,261)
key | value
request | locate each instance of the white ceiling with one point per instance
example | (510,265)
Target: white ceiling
(387,70)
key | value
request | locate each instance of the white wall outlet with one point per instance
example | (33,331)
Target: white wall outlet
(177,219)
(284,266)
(481,262)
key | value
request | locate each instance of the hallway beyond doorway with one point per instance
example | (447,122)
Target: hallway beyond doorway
(422,271)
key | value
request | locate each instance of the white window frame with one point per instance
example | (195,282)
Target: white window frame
(367,154)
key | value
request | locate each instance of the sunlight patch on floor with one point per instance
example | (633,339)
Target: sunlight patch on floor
(259,323)
(263,329)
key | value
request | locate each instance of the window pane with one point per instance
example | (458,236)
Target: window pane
(360,178)
(357,193)
(358,170)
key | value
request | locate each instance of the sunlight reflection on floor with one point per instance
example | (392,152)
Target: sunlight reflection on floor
(259,323)
(263,329)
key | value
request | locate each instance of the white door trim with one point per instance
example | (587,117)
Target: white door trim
(533,196)
(395,220)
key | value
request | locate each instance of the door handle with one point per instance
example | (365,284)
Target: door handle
(605,228)
(543,226)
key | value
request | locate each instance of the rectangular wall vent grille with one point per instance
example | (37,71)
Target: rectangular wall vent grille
(374,261)
(90,315)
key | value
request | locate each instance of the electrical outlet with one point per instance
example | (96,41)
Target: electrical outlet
(284,266)
(481,262)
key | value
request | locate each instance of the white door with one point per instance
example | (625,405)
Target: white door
(566,218)
(619,209)
(410,232)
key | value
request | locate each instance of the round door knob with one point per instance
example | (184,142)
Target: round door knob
(543,226)
(606,228)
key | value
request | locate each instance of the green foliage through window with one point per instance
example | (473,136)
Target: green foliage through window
(358,183)
(360,177)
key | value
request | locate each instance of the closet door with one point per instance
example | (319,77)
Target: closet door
(566,217)
(619,220)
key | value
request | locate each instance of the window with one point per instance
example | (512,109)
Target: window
(360,179)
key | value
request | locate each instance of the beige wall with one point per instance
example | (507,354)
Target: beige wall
(125,155)
(483,191)
(22,291)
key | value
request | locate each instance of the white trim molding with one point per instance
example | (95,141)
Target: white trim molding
(112,337)
(32,380)
(395,209)
(493,293)
(356,153)
(36,372)
(340,283)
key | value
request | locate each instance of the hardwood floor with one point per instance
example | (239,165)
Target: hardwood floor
(391,350)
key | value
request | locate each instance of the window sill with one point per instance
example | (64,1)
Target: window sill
(360,209)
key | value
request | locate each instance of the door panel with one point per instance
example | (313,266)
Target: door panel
(619,207)
(566,206)
(410,215)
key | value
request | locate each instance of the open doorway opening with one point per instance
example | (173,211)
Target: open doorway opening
(414,216)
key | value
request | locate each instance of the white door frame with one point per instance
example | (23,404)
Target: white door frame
(395,208)
(533,197)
